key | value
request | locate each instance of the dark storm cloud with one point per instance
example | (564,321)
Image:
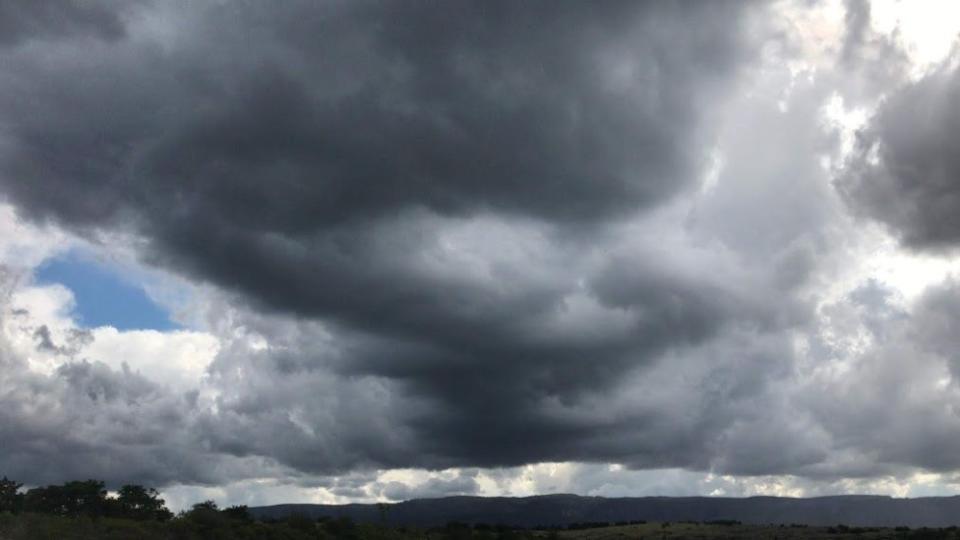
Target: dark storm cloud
(402,406)
(472,234)
(905,172)
(59,19)
(334,162)
(337,114)
(314,172)
(421,208)
(457,235)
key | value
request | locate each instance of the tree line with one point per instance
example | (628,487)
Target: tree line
(82,510)
(84,498)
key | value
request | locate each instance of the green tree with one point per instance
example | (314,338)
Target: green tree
(140,503)
(205,505)
(77,498)
(206,517)
(301,523)
(238,513)
(342,527)
(10,497)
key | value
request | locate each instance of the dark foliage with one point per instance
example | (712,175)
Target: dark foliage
(140,503)
(10,498)
(73,499)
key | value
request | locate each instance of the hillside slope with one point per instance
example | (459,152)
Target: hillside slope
(561,510)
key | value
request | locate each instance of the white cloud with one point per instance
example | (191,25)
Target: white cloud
(179,358)
(928,30)
(24,246)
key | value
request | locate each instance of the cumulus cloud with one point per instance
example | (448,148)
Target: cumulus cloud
(459,484)
(886,390)
(404,184)
(472,248)
(577,116)
(67,414)
(905,170)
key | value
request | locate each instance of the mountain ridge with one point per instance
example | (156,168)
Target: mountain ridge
(560,510)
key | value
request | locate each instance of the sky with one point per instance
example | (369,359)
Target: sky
(102,297)
(370,251)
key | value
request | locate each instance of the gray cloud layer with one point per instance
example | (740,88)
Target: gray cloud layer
(312,159)
(473,235)
(906,170)
(59,19)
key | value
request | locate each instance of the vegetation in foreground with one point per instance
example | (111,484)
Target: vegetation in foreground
(725,530)
(85,510)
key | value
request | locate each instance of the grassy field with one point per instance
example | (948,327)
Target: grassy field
(696,531)
(212,525)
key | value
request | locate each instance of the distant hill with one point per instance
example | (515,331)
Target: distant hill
(562,510)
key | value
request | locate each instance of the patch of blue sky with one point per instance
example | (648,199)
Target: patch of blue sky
(104,296)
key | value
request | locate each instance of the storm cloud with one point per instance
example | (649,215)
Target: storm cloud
(470,236)
(329,162)
(60,19)
(906,171)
